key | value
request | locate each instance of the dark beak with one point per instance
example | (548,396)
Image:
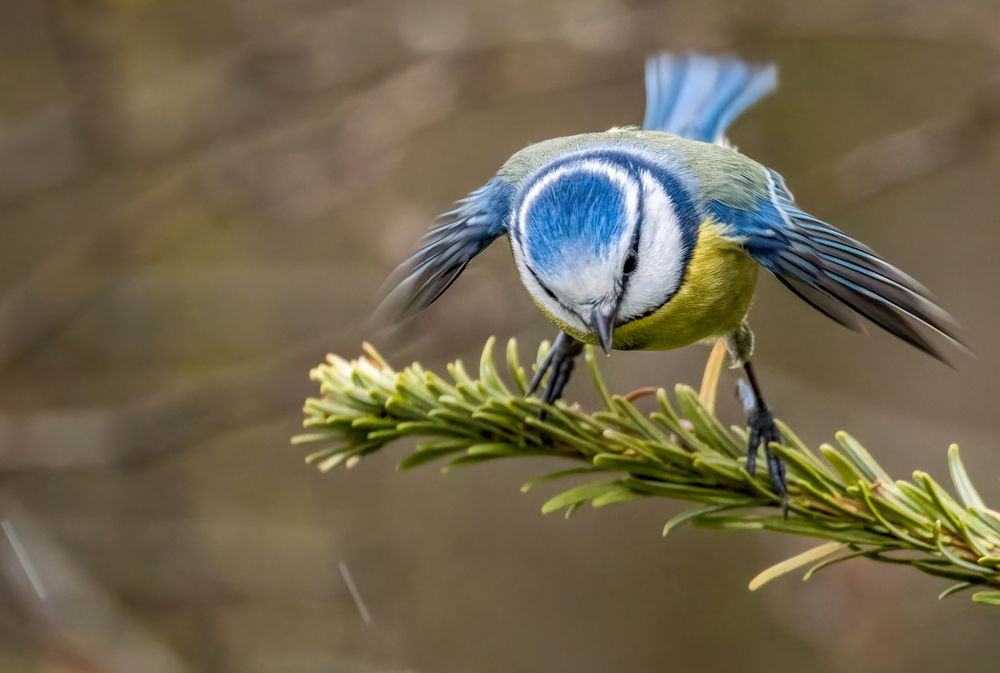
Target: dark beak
(602,321)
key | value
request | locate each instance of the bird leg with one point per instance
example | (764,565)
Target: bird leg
(763,431)
(560,360)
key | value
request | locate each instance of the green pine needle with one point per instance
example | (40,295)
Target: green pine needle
(840,495)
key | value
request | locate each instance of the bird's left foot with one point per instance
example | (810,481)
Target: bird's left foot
(559,361)
(763,431)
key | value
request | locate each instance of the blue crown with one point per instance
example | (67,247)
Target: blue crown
(575,214)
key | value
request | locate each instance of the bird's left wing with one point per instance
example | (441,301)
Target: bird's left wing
(475,222)
(831,271)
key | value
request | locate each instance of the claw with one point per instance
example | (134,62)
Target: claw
(559,365)
(536,380)
(752,450)
(763,431)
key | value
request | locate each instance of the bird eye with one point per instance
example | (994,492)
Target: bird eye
(629,264)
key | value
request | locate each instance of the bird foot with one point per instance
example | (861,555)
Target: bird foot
(763,431)
(559,364)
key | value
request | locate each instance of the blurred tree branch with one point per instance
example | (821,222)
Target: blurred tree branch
(906,155)
(359,139)
(365,136)
(680,452)
(360,127)
(83,624)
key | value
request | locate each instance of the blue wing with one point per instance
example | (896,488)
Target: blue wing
(834,273)
(475,222)
(699,96)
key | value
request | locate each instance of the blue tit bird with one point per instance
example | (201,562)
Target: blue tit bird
(650,238)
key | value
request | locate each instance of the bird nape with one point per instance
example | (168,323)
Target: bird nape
(650,239)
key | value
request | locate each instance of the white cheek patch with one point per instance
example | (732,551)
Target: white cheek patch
(584,284)
(660,267)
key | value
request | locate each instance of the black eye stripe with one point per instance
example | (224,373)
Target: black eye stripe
(632,257)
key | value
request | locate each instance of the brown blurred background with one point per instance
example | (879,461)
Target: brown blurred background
(199,199)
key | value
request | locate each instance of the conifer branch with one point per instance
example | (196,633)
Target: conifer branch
(681,450)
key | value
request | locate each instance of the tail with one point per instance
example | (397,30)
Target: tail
(698,96)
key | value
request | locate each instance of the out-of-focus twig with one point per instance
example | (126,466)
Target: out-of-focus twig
(906,155)
(151,426)
(75,613)
(67,279)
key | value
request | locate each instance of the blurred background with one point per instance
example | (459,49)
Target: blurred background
(200,198)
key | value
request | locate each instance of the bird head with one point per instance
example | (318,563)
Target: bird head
(598,242)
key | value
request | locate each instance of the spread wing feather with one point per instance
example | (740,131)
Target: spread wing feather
(446,249)
(836,274)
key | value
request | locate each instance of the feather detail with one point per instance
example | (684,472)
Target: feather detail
(836,274)
(698,96)
(475,222)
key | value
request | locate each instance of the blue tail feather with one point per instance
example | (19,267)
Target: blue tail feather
(698,96)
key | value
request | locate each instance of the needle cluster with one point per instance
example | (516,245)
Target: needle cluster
(681,450)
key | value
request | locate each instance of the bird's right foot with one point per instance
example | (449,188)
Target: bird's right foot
(559,364)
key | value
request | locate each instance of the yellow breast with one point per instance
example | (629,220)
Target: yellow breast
(712,301)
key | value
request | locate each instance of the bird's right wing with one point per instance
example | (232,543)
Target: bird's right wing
(475,222)
(698,96)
